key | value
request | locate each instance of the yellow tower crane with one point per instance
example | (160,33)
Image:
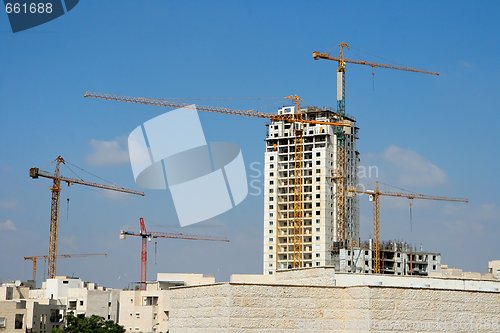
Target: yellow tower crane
(374,196)
(296,118)
(298,199)
(54,208)
(34,259)
(340,170)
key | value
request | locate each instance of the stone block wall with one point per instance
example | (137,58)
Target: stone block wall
(274,308)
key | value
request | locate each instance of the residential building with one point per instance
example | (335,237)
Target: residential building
(319,225)
(145,311)
(396,258)
(494,268)
(81,298)
(19,313)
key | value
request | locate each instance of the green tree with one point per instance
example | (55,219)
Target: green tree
(93,324)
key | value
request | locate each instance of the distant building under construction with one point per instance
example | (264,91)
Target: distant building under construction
(319,225)
(319,243)
(396,258)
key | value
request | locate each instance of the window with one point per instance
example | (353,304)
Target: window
(271,158)
(65,282)
(271,199)
(366,262)
(317,237)
(271,190)
(318,196)
(271,222)
(399,264)
(317,263)
(271,206)
(317,204)
(318,154)
(317,221)
(18,323)
(72,305)
(366,253)
(434,258)
(271,174)
(271,166)
(3,322)
(109,304)
(270,231)
(317,212)
(317,255)
(318,170)
(434,267)
(150,300)
(270,256)
(398,255)
(318,162)
(271,265)
(318,229)
(318,179)
(271,239)
(270,247)
(271,182)
(318,187)
(81,303)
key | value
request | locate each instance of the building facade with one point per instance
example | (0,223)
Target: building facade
(396,258)
(148,311)
(319,225)
(79,297)
(494,268)
(20,313)
(322,300)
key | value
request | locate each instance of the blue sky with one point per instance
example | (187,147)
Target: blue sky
(435,135)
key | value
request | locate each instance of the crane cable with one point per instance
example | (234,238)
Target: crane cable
(156,243)
(411,215)
(221,98)
(92,174)
(67,210)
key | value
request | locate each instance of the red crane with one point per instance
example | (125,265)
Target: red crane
(148,235)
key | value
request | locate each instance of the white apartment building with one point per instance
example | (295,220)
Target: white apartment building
(145,311)
(494,268)
(319,227)
(79,297)
(19,313)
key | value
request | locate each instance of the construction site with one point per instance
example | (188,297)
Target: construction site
(318,274)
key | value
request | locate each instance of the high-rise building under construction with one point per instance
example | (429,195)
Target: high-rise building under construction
(319,234)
